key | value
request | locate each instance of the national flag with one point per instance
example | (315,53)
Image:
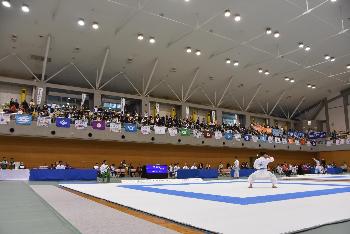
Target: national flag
(185,132)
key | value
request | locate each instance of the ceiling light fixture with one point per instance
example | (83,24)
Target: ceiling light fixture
(6,3)
(327,57)
(152,40)
(228,61)
(198,52)
(333,0)
(292,80)
(260,70)
(332,59)
(309,85)
(268,31)
(313,86)
(286,78)
(95,25)
(235,63)
(188,50)
(307,48)
(276,34)
(140,36)
(301,45)
(237,18)
(187,0)
(81,22)
(267,73)
(227,13)
(25,8)
(348,66)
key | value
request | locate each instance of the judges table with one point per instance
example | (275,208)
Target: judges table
(197,173)
(20,174)
(334,170)
(244,172)
(64,174)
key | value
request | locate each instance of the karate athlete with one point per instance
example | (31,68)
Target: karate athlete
(260,165)
(236,168)
(318,168)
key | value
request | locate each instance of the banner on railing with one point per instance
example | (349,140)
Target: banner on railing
(247,137)
(145,130)
(207,134)
(185,132)
(122,105)
(43,121)
(23,119)
(237,136)
(270,139)
(263,138)
(277,132)
(348,141)
(115,127)
(172,131)
(83,98)
(278,140)
(98,124)
(329,143)
(80,124)
(197,133)
(317,135)
(290,140)
(130,127)
(228,136)
(313,143)
(284,141)
(255,138)
(297,142)
(159,130)
(39,95)
(4,118)
(63,122)
(218,135)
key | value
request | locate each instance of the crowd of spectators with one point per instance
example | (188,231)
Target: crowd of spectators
(11,164)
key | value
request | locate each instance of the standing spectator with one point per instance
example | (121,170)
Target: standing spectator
(4,163)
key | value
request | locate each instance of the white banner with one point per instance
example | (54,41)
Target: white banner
(341,141)
(4,118)
(297,142)
(172,131)
(218,135)
(187,112)
(308,143)
(277,140)
(145,130)
(80,124)
(348,141)
(159,130)
(157,108)
(270,139)
(255,138)
(115,127)
(39,95)
(83,98)
(284,141)
(329,143)
(213,116)
(122,105)
(237,137)
(197,133)
(43,121)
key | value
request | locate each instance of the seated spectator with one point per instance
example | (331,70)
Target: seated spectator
(185,166)
(21,166)
(194,167)
(344,167)
(60,166)
(4,163)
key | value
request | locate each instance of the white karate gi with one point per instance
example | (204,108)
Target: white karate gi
(260,165)
(236,169)
(318,168)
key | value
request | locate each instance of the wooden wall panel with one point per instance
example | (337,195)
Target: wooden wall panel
(339,157)
(79,153)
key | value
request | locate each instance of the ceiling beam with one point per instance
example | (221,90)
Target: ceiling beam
(225,91)
(277,102)
(48,43)
(150,76)
(5,57)
(193,92)
(173,91)
(59,71)
(82,75)
(112,78)
(26,66)
(251,100)
(132,84)
(192,82)
(98,81)
(156,86)
(297,107)
(206,95)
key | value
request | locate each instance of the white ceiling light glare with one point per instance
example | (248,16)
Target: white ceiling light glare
(313,86)
(327,57)
(309,85)
(188,50)
(81,22)
(186,0)
(333,0)
(228,61)
(267,73)
(307,48)
(140,37)
(227,13)
(332,59)
(301,45)
(198,52)
(235,63)
(292,80)
(25,8)
(95,25)
(268,31)
(152,40)
(260,70)
(6,3)
(276,34)
(237,18)
(286,78)
(348,66)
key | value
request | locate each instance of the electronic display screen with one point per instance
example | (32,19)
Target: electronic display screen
(156,169)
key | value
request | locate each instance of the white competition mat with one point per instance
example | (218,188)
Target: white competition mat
(319,177)
(228,206)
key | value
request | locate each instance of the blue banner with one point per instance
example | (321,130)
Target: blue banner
(296,134)
(129,127)
(277,132)
(228,136)
(247,137)
(63,122)
(316,135)
(23,119)
(263,138)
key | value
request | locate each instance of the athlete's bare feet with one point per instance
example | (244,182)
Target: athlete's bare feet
(274,186)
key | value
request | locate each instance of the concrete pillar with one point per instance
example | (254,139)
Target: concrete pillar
(346,112)
(145,106)
(271,122)
(328,129)
(97,98)
(247,120)
(218,116)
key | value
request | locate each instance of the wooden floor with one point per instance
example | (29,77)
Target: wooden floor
(150,218)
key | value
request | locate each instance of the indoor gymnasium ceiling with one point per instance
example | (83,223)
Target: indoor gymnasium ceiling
(178,24)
